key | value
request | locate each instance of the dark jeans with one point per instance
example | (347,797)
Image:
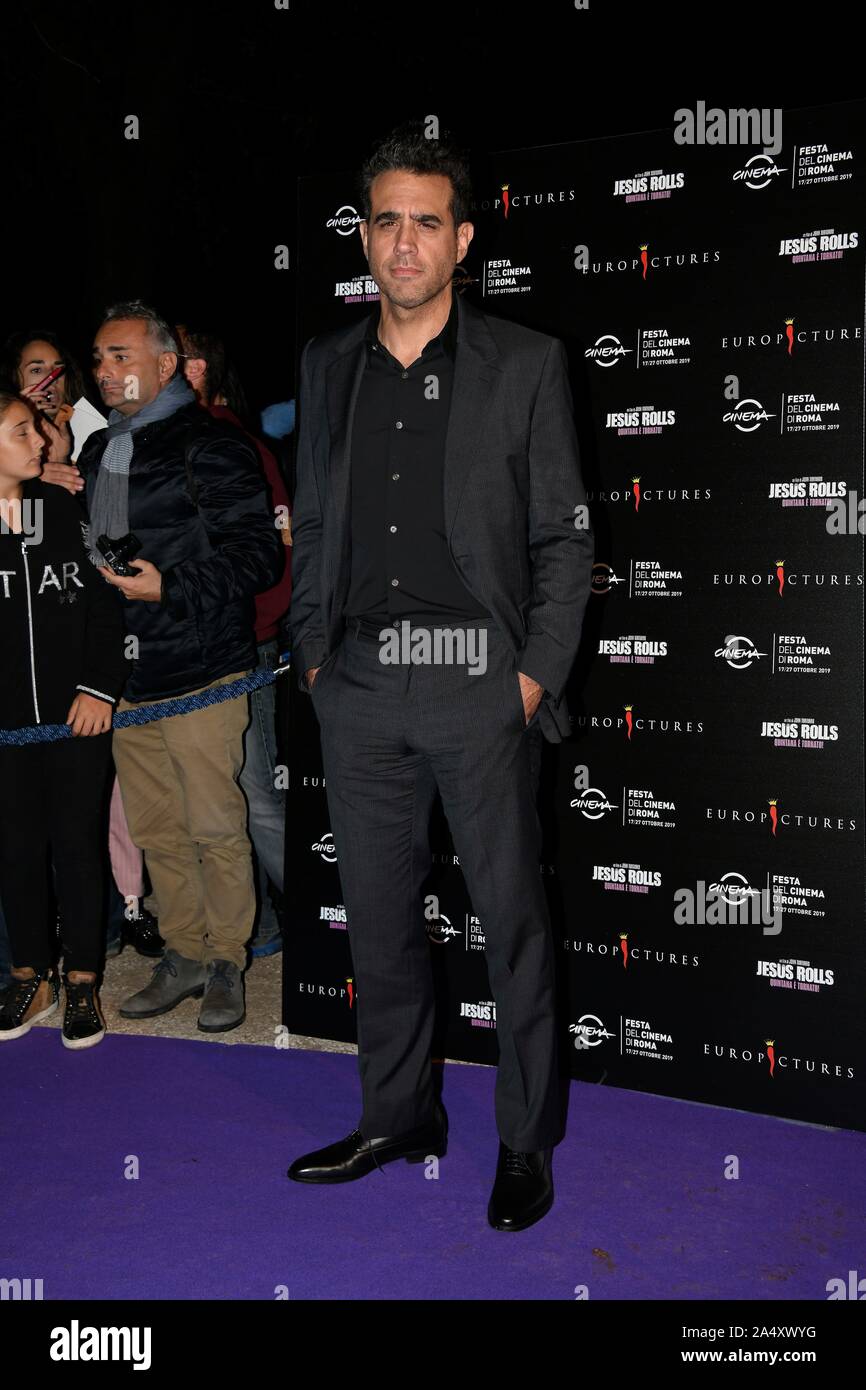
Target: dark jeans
(53,807)
(267,803)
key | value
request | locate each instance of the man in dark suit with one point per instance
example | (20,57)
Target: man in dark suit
(439,493)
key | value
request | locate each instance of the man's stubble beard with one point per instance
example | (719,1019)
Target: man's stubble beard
(408,300)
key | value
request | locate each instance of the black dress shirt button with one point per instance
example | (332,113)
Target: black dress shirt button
(394,583)
(396,477)
(399,425)
(393,528)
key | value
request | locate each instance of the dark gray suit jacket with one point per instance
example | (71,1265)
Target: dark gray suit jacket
(512,487)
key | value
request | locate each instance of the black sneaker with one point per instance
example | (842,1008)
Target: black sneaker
(25,1002)
(83,1021)
(142,932)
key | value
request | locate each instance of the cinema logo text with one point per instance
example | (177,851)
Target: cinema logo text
(759,171)
(325,848)
(438,927)
(803,414)
(589,1031)
(739,652)
(607,351)
(604,578)
(592,803)
(747,416)
(344,220)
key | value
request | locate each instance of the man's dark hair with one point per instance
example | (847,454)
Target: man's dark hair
(408,148)
(161,333)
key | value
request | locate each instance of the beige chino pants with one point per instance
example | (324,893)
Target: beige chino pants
(185,810)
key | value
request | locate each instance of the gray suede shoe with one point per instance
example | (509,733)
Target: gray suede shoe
(223,1004)
(174,978)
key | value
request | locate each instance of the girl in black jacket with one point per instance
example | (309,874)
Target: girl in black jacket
(62,647)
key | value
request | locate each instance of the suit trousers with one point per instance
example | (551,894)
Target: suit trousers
(391,735)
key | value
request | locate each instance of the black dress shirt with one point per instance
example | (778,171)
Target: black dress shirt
(401,565)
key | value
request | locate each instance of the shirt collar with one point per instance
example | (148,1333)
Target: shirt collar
(447,337)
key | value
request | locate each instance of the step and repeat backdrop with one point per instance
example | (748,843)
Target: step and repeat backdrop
(704,825)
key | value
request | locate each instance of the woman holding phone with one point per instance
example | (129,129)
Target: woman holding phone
(48,376)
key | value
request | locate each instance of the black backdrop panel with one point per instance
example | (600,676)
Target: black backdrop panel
(711,302)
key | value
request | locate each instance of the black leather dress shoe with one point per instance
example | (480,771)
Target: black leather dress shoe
(355,1156)
(523,1190)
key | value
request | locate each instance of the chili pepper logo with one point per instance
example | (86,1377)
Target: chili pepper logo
(643,258)
(780,575)
(505,199)
(789,334)
(623,946)
(635,482)
(351,990)
(628,720)
(771,1055)
(774,814)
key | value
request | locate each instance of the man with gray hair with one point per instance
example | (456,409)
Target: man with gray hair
(184,495)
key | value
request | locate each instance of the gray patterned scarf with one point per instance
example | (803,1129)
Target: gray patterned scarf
(109,507)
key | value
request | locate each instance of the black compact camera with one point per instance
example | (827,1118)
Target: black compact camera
(119,553)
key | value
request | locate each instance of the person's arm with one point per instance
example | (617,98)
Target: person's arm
(232,501)
(309,647)
(104,667)
(561,553)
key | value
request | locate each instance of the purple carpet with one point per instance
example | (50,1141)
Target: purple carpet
(642,1210)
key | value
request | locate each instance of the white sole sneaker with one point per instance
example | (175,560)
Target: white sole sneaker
(77,1043)
(25,1027)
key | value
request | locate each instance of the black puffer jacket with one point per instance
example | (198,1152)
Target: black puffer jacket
(214,552)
